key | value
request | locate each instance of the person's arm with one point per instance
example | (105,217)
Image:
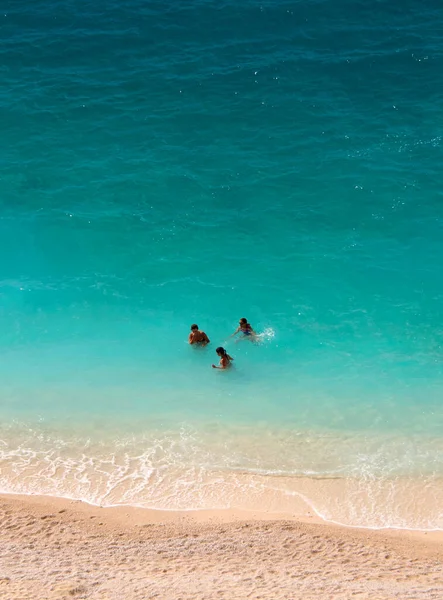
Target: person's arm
(191,338)
(206,339)
(222,364)
(235,332)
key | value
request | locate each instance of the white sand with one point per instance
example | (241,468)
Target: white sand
(54,549)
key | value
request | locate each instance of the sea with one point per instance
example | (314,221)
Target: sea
(193,161)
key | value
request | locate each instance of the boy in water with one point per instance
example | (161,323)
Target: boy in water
(198,337)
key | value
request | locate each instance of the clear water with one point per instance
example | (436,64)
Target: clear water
(201,162)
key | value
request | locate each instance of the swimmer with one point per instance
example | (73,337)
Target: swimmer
(225,359)
(246,329)
(198,337)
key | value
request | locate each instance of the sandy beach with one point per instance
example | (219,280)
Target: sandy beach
(54,548)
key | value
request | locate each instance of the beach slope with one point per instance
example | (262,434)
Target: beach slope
(54,549)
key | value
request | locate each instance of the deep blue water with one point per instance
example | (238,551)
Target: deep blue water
(201,162)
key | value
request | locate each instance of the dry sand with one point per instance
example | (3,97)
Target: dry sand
(53,549)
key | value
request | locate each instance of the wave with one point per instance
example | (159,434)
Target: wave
(186,469)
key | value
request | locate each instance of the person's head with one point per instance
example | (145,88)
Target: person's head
(194,327)
(220,351)
(243,321)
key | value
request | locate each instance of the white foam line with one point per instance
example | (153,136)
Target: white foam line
(185,510)
(333,522)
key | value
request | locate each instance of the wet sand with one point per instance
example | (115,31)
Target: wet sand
(54,549)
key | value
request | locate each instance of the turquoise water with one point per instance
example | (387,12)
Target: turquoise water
(201,162)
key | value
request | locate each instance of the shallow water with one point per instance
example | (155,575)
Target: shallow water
(200,163)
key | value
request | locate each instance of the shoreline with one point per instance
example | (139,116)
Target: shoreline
(58,548)
(226,465)
(206,515)
(402,504)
